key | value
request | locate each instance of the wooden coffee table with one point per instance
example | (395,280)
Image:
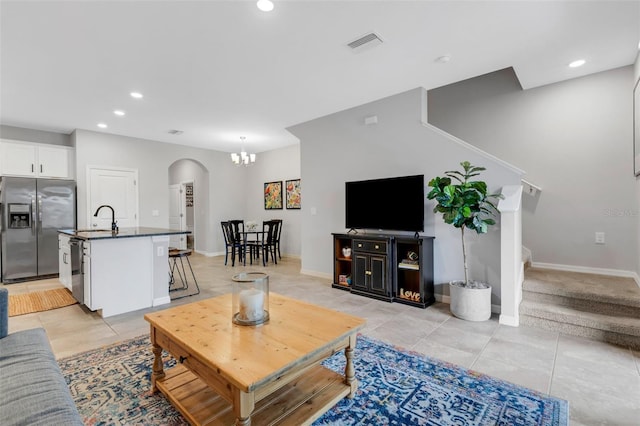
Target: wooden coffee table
(269,374)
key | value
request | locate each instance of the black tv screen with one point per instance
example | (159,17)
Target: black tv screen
(395,204)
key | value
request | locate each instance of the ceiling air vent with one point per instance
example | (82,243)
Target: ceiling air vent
(367,40)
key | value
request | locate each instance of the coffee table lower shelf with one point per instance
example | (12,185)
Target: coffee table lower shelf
(298,403)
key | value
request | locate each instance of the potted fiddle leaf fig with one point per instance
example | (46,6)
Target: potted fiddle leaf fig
(465,203)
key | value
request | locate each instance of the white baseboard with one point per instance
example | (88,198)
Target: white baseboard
(209,254)
(442,298)
(588,270)
(316,274)
(161,301)
(527,256)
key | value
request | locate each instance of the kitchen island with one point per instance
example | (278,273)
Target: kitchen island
(115,272)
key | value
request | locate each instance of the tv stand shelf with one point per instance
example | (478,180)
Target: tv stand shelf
(389,267)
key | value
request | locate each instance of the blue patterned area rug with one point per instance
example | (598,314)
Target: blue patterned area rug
(111,386)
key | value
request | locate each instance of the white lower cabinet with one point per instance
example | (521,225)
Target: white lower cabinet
(64,261)
(86,274)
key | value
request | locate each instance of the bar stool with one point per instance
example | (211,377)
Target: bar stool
(174,256)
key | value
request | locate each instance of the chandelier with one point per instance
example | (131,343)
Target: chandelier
(243,158)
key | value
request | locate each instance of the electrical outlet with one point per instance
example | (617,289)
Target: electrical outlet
(599,237)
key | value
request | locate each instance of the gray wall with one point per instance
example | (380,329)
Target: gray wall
(340,147)
(31,135)
(574,140)
(152,159)
(636,76)
(271,166)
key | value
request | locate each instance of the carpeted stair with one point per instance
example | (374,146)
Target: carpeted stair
(598,307)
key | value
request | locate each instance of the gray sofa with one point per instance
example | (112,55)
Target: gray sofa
(32,388)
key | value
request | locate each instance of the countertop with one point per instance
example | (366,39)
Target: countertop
(101,234)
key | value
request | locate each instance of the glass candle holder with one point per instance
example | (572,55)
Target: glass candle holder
(250,298)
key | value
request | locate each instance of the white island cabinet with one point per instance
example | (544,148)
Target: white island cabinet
(126,270)
(64,260)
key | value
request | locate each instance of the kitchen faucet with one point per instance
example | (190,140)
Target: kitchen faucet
(114,225)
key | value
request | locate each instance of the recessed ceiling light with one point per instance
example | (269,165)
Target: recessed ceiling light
(136,95)
(102,125)
(265,5)
(118,112)
(443,59)
(578,63)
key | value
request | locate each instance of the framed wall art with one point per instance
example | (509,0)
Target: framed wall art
(293,193)
(273,195)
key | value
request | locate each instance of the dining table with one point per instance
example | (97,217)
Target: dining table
(246,240)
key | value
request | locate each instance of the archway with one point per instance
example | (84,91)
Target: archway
(192,178)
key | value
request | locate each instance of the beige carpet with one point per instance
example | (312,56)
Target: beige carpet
(599,307)
(20,304)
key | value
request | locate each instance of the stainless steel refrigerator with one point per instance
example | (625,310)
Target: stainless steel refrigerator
(32,211)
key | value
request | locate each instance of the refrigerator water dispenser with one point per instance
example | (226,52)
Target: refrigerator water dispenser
(19,216)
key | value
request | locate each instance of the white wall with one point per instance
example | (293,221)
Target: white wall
(152,159)
(271,166)
(574,139)
(340,147)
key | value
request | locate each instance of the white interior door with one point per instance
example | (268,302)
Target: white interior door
(177,216)
(116,188)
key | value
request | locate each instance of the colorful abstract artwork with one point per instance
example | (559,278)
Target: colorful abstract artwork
(273,195)
(293,194)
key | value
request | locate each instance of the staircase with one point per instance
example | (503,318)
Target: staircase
(598,307)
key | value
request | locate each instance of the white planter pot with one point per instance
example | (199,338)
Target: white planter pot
(471,304)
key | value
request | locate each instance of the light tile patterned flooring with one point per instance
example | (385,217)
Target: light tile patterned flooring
(600,381)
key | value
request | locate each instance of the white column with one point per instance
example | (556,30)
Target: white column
(511,267)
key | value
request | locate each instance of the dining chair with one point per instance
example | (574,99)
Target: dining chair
(278,236)
(230,243)
(266,244)
(237,229)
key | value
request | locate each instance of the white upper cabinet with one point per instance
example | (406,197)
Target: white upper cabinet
(18,159)
(54,161)
(35,160)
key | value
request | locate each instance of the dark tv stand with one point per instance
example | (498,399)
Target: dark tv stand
(389,267)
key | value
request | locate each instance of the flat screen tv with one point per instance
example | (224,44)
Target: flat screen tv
(395,204)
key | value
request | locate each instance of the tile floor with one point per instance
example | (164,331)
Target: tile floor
(600,381)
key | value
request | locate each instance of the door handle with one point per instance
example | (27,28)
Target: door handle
(64,258)
(40,213)
(367,272)
(33,215)
(40,168)
(32,169)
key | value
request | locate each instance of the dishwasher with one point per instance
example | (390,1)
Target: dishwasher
(77,273)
